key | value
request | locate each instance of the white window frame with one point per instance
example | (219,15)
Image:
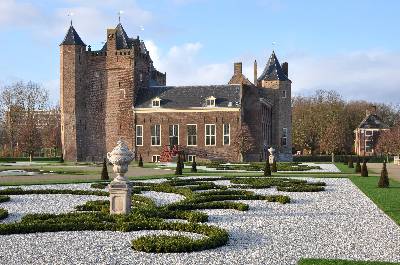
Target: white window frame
(210,135)
(156,160)
(210,100)
(156,100)
(136,134)
(226,135)
(177,135)
(190,158)
(187,135)
(155,135)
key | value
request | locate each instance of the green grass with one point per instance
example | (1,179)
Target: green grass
(341,262)
(388,200)
(345,169)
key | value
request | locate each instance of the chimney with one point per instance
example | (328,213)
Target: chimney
(237,68)
(370,110)
(285,68)
(255,72)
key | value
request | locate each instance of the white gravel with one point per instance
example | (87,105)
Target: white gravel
(340,223)
(163,198)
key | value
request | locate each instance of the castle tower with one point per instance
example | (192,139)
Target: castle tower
(275,77)
(72,84)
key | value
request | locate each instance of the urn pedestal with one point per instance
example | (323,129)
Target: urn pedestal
(120,189)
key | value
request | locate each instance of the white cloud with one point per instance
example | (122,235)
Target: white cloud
(370,75)
(15,12)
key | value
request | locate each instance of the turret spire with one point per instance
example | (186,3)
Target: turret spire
(72,37)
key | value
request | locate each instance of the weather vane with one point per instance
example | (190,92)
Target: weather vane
(119,15)
(71,14)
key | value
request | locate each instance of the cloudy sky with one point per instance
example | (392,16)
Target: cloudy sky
(352,46)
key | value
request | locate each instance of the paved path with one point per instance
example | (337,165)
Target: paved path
(132,172)
(393,170)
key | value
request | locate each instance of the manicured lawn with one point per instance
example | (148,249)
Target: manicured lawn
(344,168)
(341,262)
(388,200)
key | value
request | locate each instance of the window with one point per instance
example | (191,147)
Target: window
(155,158)
(283,93)
(210,102)
(173,135)
(284,137)
(156,135)
(227,134)
(368,133)
(210,134)
(191,134)
(191,158)
(139,135)
(155,103)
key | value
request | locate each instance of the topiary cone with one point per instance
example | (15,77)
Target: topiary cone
(62,158)
(350,164)
(104,171)
(274,168)
(384,179)
(194,166)
(364,169)
(140,161)
(358,165)
(267,169)
(178,170)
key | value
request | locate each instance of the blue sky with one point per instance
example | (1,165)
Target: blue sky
(350,46)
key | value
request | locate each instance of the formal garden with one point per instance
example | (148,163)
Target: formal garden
(257,213)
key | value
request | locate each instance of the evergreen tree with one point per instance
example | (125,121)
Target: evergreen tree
(364,169)
(104,171)
(274,168)
(358,165)
(384,179)
(267,169)
(140,161)
(178,170)
(350,164)
(194,166)
(62,158)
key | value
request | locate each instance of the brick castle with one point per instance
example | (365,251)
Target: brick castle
(117,93)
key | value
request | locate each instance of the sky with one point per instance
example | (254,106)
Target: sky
(351,46)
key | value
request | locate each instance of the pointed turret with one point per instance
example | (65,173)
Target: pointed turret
(122,39)
(273,70)
(72,38)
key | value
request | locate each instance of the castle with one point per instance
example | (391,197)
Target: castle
(116,93)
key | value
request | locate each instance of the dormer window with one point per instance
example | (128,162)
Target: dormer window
(210,102)
(155,103)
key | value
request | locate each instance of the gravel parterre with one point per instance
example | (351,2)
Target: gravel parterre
(340,223)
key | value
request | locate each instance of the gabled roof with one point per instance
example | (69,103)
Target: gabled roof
(273,70)
(239,79)
(72,38)
(181,97)
(372,121)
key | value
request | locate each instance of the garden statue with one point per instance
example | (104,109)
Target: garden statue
(271,156)
(120,190)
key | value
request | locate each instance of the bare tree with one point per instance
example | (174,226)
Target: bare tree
(244,141)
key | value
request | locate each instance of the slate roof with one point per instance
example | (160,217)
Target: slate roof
(72,38)
(124,42)
(190,96)
(239,79)
(273,70)
(372,121)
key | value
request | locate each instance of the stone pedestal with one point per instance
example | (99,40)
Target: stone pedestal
(120,198)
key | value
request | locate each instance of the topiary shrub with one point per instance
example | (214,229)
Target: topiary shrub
(384,179)
(178,170)
(364,169)
(104,171)
(3,213)
(194,166)
(350,163)
(358,165)
(267,169)
(140,161)
(274,168)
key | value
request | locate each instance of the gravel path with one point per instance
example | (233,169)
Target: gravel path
(163,198)
(338,223)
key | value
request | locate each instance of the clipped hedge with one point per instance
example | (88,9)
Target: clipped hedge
(3,213)
(26,159)
(4,198)
(338,158)
(99,185)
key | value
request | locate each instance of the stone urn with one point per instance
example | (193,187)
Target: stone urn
(120,190)
(120,157)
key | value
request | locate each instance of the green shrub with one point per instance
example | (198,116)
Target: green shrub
(178,170)
(3,213)
(19,191)
(104,171)
(267,169)
(62,158)
(364,169)
(358,166)
(274,168)
(301,188)
(278,198)
(351,164)
(100,185)
(194,166)
(4,198)
(384,179)
(140,161)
